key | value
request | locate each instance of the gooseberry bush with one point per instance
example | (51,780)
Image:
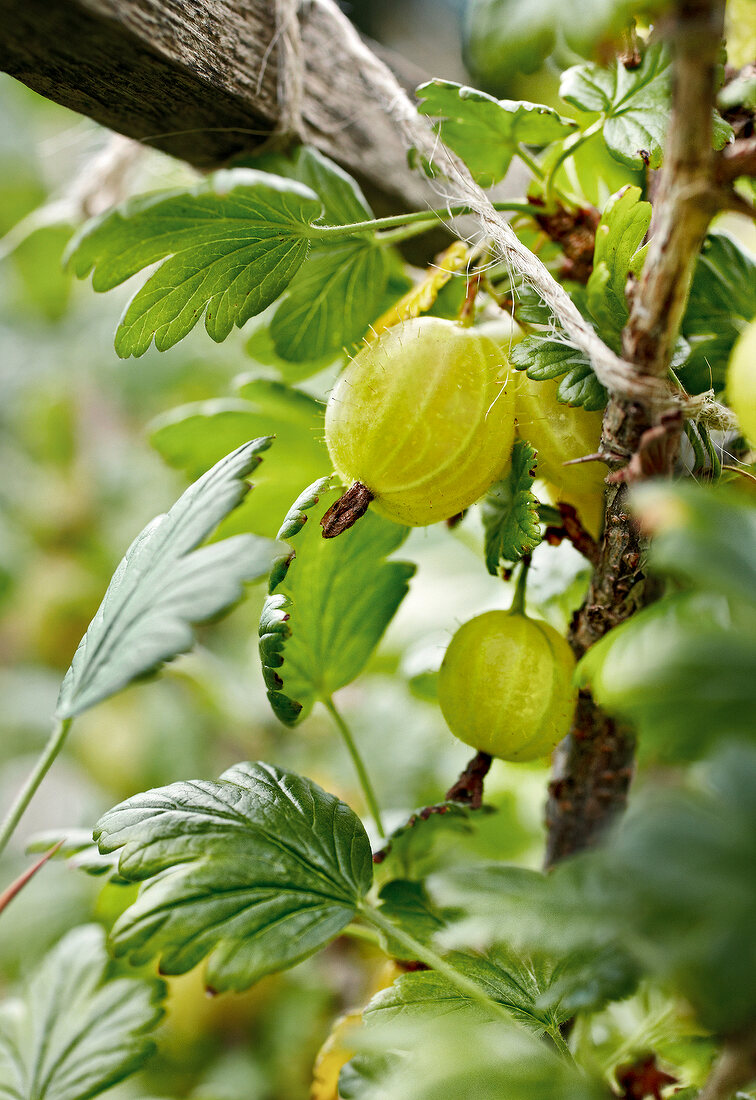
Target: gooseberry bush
(393,398)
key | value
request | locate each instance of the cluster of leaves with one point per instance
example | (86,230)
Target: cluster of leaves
(254,872)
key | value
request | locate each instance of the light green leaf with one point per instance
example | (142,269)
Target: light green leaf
(624,223)
(262,350)
(234,242)
(329,603)
(165,584)
(418,1059)
(636,104)
(76,1030)
(542,358)
(332,300)
(722,301)
(255,872)
(78,849)
(510,512)
(485,132)
(193,437)
(516,983)
(343,201)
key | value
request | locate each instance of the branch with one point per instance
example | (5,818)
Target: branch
(593,766)
(734,1069)
(200,80)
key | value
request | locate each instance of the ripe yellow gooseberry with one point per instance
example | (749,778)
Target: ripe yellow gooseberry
(424,418)
(559,434)
(505,685)
(741,381)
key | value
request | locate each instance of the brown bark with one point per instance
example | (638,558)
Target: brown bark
(593,766)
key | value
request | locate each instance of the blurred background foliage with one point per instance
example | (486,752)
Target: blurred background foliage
(81,474)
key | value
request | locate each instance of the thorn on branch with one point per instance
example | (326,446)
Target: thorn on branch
(573,530)
(345,512)
(656,452)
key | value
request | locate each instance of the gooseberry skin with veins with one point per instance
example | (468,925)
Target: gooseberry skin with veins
(505,686)
(560,433)
(424,418)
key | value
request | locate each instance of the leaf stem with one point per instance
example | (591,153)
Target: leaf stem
(359,765)
(532,164)
(54,744)
(335,232)
(570,146)
(456,978)
(518,603)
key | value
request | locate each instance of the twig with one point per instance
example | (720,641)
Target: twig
(469,786)
(573,530)
(16,887)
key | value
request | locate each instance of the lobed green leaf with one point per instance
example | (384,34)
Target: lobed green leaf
(76,1030)
(255,872)
(233,242)
(329,603)
(510,512)
(165,584)
(617,255)
(486,132)
(541,358)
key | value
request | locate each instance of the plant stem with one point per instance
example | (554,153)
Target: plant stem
(570,147)
(358,932)
(54,744)
(532,164)
(359,765)
(335,232)
(455,977)
(518,603)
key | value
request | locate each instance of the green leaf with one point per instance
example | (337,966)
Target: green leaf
(255,872)
(165,584)
(635,103)
(516,983)
(343,201)
(418,1059)
(407,905)
(722,302)
(193,437)
(234,242)
(79,851)
(76,1030)
(624,223)
(413,847)
(510,512)
(329,603)
(679,669)
(542,358)
(262,350)
(332,300)
(504,37)
(486,132)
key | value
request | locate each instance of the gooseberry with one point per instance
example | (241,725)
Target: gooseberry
(560,433)
(741,381)
(424,418)
(505,685)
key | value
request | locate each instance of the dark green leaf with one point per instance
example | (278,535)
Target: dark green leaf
(624,223)
(75,1030)
(165,584)
(329,604)
(234,242)
(722,301)
(262,350)
(331,301)
(542,358)
(195,436)
(256,872)
(343,201)
(636,104)
(407,905)
(510,512)
(485,132)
